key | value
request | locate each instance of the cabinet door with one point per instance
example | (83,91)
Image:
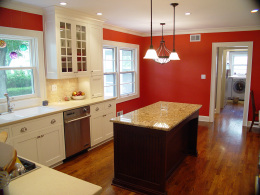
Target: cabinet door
(96,51)
(51,146)
(26,146)
(81,50)
(96,131)
(108,126)
(66,48)
(97,86)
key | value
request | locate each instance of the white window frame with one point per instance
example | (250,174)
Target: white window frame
(118,46)
(37,52)
(231,58)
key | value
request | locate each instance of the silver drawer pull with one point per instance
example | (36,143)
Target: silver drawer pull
(69,121)
(97,108)
(53,121)
(24,129)
(109,105)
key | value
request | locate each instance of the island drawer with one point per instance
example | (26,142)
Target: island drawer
(36,124)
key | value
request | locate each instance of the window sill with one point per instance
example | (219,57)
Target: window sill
(127,98)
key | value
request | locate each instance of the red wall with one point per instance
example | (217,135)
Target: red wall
(177,81)
(180,81)
(18,19)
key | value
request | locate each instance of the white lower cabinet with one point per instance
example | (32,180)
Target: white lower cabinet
(44,144)
(101,127)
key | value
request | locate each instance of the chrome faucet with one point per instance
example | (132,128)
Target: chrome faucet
(9,107)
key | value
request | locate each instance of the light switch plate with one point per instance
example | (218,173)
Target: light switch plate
(203,76)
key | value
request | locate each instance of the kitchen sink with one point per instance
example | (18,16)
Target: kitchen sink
(9,116)
(24,113)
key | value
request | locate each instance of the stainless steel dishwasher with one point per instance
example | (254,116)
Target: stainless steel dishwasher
(77,130)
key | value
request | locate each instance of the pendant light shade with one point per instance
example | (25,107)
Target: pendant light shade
(151,53)
(174,55)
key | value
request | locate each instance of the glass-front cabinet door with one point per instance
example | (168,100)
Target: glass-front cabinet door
(66,47)
(81,48)
(73,49)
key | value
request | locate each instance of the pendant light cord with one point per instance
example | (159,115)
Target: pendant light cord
(174,5)
(151,46)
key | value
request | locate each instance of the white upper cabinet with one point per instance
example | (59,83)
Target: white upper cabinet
(73,44)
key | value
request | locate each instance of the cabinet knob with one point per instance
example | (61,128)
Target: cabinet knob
(97,108)
(109,105)
(24,129)
(53,121)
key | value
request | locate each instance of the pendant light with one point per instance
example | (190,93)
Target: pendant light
(174,55)
(151,53)
(162,52)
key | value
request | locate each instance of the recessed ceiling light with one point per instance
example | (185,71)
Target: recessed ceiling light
(99,14)
(187,13)
(254,10)
(63,3)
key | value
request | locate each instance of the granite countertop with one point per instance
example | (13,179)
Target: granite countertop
(40,111)
(154,117)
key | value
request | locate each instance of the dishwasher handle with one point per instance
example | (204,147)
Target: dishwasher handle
(69,121)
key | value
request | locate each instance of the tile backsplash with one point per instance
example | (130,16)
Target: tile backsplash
(65,87)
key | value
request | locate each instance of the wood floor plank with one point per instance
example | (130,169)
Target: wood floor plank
(227,161)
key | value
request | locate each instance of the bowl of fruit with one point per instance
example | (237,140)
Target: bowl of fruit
(78,95)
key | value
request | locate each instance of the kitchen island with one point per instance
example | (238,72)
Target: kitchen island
(150,143)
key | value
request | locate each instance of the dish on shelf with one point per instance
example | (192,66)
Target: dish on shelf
(78,97)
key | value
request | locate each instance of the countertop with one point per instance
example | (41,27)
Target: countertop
(154,117)
(45,180)
(52,108)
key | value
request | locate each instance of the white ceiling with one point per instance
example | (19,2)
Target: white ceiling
(135,14)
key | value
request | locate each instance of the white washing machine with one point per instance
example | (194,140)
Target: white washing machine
(238,87)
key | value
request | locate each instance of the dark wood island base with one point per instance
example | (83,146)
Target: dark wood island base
(144,158)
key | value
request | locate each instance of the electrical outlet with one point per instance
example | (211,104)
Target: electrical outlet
(119,113)
(54,87)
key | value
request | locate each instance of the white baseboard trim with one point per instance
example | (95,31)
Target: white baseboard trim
(204,118)
(256,124)
(95,146)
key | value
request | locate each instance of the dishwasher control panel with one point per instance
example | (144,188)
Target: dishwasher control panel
(76,113)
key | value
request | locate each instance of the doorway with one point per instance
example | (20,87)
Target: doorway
(219,57)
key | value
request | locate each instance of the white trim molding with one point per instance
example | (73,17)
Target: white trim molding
(215,47)
(40,82)
(203,118)
(22,7)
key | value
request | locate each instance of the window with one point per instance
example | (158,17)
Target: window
(16,67)
(238,63)
(22,73)
(121,70)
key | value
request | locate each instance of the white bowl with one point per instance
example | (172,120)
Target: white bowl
(78,97)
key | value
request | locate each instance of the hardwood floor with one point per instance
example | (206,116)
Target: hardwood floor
(226,164)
